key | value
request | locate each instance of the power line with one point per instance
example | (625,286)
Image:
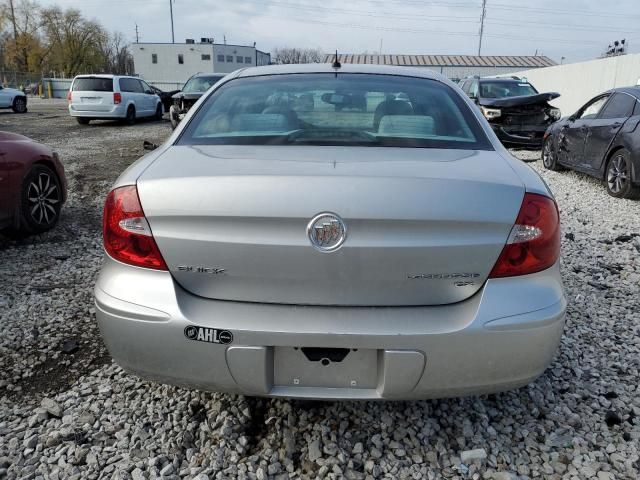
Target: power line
(482,17)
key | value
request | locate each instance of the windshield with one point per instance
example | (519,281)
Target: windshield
(330,109)
(200,84)
(95,84)
(506,89)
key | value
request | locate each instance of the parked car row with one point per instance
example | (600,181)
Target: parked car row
(601,139)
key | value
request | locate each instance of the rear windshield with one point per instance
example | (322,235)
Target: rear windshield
(200,84)
(506,89)
(336,109)
(93,84)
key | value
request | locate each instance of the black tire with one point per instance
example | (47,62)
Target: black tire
(83,120)
(19,105)
(172,117)
(617,176)
(549,157)
(159,112)
(40,200)
(130,119)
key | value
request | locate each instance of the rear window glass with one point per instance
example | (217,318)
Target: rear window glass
(506,89)
(93,84)
(342,109)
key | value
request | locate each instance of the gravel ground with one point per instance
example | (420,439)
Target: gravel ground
(77,415)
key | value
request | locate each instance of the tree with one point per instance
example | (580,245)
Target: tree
(36,40)
(21,52)
(287,55)
(75,42)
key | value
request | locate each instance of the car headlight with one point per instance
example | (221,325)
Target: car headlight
(491,113)
(555,113)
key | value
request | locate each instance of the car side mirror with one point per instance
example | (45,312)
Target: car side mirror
(149,146)
(572,118)
(149,92)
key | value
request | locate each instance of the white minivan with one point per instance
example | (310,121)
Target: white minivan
(112,97)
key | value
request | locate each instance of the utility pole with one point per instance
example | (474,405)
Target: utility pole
(173,38)
(484,14)
(137,35)
(15,27)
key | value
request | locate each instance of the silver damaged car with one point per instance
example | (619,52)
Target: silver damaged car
(336,232)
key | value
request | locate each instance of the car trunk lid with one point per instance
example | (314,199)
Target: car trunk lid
(425,226)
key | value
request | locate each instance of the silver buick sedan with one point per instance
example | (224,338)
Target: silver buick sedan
(335,232)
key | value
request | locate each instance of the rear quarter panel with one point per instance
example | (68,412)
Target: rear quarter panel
(629,139)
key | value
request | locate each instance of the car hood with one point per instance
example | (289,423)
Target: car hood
(519,101)
(13,90)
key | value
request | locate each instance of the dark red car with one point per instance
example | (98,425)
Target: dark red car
(32,185)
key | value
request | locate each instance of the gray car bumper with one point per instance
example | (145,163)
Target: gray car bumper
(501,338)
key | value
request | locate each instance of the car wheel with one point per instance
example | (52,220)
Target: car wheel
(82,120)
(19,105)
(41,200)
(173,116)
(159,112)
(130,119)
(549,157)
(618,176)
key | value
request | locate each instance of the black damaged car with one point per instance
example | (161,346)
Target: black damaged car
(601,139)
(195,87)
(518,114)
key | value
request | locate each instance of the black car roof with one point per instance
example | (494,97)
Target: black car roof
(634,90)
(504,80)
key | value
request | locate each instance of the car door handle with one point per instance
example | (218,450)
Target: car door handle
(616,125)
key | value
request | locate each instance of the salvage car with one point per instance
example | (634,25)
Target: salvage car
(195,87)
(518,114)
(165,97)
(601,139)
(32,185)
(14,99)
(284,244)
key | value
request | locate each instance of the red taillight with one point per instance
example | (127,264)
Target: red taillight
(117,98)
(126,232)
(69,96)
(534,242)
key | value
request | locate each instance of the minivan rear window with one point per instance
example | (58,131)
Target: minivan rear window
(93,85)
(336,109)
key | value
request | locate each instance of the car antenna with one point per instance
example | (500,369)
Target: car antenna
(336,62)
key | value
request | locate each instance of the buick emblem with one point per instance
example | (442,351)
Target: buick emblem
(327,232)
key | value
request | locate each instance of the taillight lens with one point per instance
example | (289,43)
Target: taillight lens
(534,242)
(69,96)
(126,232)
(117,98)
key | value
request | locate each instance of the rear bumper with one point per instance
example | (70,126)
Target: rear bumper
(117,111)
(502,338)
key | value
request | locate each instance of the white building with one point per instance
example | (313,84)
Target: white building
(174,63)
(454,67)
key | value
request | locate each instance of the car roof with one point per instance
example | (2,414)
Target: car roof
(417,72)
(105,75)
(504,80)
(634,90)
(207,74)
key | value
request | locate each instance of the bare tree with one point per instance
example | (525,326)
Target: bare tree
(297,55)
(76,42)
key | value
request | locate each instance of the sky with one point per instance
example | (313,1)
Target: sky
(574,29)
